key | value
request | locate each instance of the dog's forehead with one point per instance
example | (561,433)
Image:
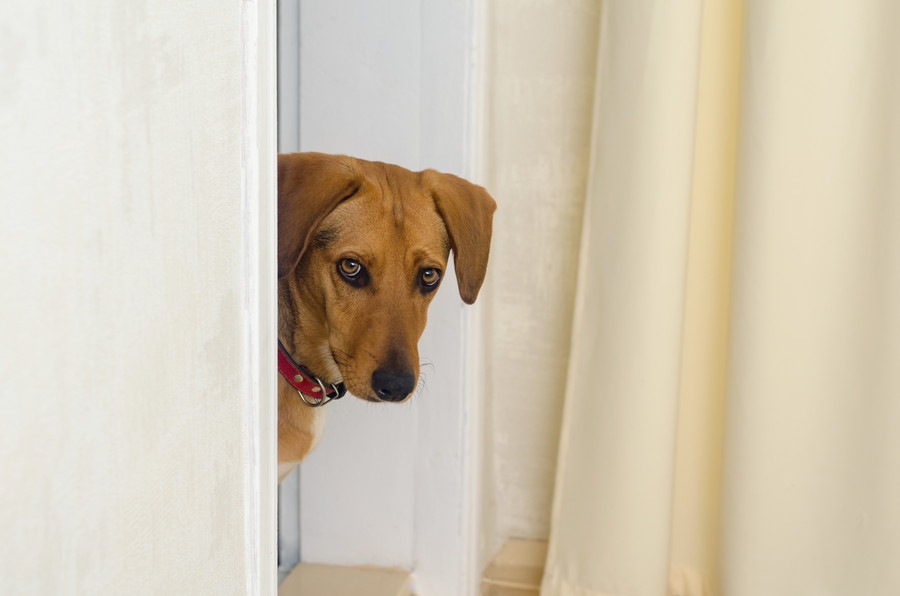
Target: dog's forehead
(394,207)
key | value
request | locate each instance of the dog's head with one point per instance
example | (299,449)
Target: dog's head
(362,248)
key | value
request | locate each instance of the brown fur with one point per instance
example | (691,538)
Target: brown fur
(395,223)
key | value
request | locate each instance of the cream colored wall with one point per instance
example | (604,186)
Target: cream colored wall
(540,71)
(125,426)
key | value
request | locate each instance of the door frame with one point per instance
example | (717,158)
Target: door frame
(259,231)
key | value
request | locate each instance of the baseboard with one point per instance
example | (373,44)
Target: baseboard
(516,569)
(309,579)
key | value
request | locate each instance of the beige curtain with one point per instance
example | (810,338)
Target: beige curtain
(732,416)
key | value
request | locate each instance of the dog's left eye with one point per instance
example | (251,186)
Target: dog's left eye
(430,277)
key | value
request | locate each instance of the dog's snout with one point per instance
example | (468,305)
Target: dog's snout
(392,386)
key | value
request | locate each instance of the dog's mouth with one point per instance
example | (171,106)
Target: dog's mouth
(345,372)
(381,385)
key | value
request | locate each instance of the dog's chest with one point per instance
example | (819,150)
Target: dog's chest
(317,426)
(307,428)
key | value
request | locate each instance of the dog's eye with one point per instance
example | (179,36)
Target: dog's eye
(352,271)
(430,277)
(350,268)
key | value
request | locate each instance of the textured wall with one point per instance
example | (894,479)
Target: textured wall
(540,77)
(122,390)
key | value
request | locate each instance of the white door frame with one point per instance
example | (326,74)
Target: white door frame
(259,207)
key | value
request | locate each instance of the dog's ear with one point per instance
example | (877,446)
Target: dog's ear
(467,211)
(310,186)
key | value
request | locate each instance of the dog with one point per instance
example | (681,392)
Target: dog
(362,249)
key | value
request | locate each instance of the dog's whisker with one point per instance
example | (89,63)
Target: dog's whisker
(420,386)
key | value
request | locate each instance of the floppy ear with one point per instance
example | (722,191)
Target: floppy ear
(310,186)
(467,211)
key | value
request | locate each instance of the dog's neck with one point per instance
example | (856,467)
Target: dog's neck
(303,330)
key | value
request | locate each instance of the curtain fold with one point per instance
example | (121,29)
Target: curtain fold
(732,415)
(612,511)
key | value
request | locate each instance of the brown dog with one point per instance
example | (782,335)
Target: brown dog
(362,247)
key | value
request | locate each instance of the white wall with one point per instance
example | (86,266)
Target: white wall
(132,434)
(390,81)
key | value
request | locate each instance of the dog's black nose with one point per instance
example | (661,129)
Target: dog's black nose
(391,386)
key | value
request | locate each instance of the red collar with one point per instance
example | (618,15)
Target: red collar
(312,390)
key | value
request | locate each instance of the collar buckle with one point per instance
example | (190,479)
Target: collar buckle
(325,397)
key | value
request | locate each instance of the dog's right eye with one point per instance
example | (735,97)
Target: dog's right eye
(350,268)
(352,271)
